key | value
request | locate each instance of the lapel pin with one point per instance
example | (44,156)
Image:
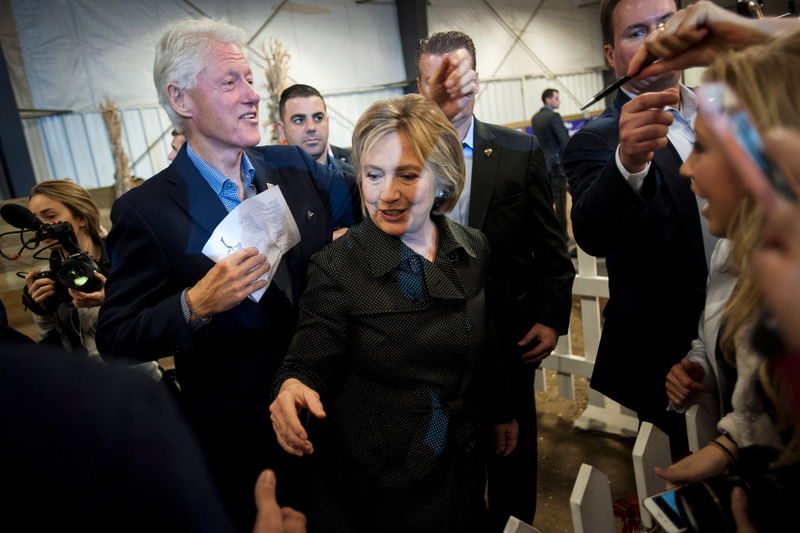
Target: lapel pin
(270,185)
(488,152)
(309,214)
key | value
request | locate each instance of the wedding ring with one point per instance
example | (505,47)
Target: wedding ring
(661,26)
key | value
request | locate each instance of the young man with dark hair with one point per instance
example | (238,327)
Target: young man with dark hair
(304,123)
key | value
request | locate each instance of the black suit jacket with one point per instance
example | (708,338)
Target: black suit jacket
(653,247)
(548,127)
(225,367)
(159,230)
(530,272)
(342,154)
(394,344)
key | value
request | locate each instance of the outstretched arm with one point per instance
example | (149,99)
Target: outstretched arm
(699,33)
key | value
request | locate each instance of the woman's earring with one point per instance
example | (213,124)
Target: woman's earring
(438,199)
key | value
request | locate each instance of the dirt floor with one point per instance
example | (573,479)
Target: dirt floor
(563,448)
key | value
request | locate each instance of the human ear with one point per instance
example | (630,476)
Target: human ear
(179,99)
(608,53)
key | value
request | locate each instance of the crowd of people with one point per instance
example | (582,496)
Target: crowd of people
(385,376)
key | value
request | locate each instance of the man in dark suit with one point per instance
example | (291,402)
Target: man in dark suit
(632,207)
(548,127)
(164,297)
(508,197)
(304,123)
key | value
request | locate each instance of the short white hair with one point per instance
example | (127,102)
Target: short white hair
(180,55)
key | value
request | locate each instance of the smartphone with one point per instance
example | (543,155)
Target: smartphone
(742,143)
(664,509)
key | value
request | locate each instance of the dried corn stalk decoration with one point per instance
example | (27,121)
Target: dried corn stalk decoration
(277,71)
(123,180)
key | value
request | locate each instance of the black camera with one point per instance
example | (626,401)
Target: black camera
(51,303)
(71,267)
(771,497)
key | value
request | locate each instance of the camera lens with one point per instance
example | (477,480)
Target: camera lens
(77,278)
(77,272)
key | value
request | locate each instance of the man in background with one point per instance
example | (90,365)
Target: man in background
(304,123)
(507,196)
(549,128)
(175,144)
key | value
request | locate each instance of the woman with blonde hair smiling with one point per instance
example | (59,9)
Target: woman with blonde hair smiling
(765,80)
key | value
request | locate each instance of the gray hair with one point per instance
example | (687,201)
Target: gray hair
(180,55)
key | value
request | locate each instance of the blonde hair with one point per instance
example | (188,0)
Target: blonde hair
(765,79)
(431,136)
(79,202)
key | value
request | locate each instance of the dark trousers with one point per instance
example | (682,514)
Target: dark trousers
(512,479)
(671,423)
(558,183)
(237,449)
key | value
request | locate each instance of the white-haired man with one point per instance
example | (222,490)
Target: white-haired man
(164,297)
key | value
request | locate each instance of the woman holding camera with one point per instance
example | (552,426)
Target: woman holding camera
(63,316)
(392,342)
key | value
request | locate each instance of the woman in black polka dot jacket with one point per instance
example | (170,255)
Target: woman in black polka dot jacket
(390,353)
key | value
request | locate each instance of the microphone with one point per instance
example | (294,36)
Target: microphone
(20,217)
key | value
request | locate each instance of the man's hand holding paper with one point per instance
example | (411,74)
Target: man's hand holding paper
(263,222)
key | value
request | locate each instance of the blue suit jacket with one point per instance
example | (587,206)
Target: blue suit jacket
(159,230)
(225,367)
(653,247)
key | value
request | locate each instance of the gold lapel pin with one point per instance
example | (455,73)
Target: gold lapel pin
(309,214)
(488,152)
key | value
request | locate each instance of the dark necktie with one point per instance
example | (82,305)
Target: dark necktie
(283,280)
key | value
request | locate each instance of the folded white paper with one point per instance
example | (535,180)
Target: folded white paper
(263,221)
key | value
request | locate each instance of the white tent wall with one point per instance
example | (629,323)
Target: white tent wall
(523,47)
(78,52)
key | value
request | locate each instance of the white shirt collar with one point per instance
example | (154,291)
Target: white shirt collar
(469,138)
(688,104)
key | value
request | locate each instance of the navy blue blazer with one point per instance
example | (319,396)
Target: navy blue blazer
(653,247)
(158,232)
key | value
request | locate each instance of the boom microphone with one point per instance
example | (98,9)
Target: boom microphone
(19,217)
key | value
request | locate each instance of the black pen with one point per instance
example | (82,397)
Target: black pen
(622,80)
